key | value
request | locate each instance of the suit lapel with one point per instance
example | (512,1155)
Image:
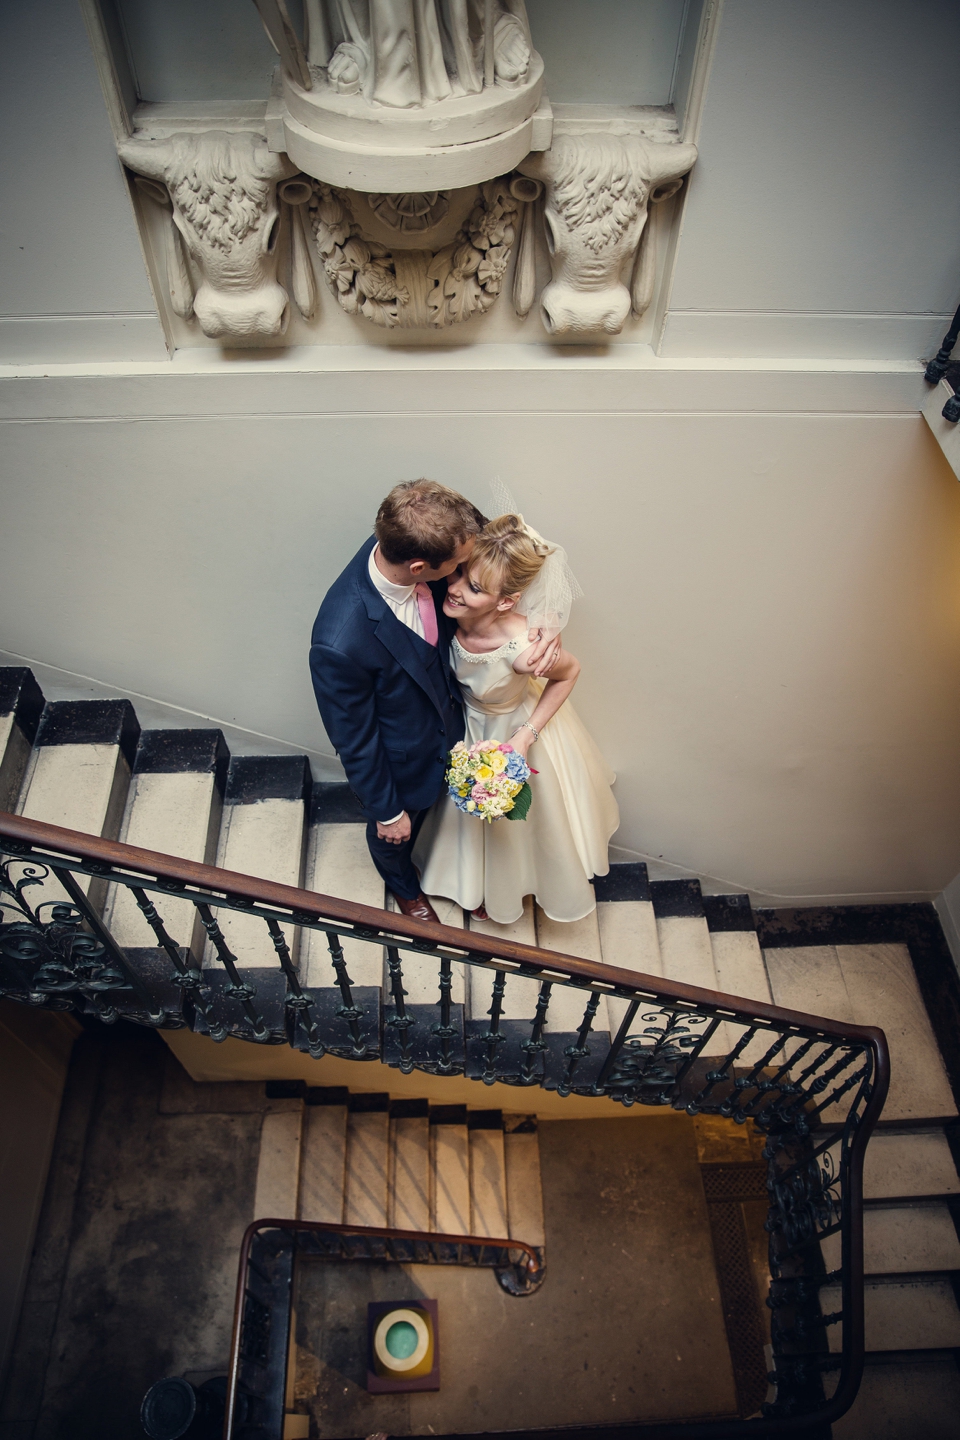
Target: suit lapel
(393,634)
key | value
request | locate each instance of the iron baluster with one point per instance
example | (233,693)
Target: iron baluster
(238,989)
(347,1010)
(154,1016)
(695,1053)
(299,1003)
(536,1043)
(493,1038)
(445,1030)
(805,1094)
(399,1020)
(188,977)
(765,1087)
(618,1044)
(936,369)
(835,1095)
(579,1049)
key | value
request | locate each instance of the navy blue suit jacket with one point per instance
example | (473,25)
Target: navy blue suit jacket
(391,721)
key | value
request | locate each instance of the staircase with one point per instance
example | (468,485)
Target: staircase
(362,1159)
(376,1157)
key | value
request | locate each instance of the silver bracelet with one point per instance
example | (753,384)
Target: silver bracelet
(525,725)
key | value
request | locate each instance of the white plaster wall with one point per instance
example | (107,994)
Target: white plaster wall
(770,631)
(72,277)
(823,216)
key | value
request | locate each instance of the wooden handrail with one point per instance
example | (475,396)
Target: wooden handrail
(377,1232)
(314,906)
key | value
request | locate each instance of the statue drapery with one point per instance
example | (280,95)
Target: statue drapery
(404,53)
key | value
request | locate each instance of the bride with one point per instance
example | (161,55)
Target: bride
(514,582)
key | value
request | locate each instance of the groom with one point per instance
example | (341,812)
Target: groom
(379,658)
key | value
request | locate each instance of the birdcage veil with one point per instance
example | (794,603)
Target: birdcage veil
(548,599)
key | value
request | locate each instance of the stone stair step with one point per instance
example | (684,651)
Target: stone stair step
(738,964)
(450,1166)
(368,1160)
(78,775)
(903,1239)
(262,833)
(278,1166)
(628,928)
(914,1314)
(870,985)
(909,1163)
(21,705)
(520,993)
(421,975)
(488,1177)
(581,938)
(904,1397)
(410,1165)
(521,1153)
(173,805)
(323,1160)
(685,950)
(338,863)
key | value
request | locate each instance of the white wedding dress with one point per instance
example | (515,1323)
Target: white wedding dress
(563,841)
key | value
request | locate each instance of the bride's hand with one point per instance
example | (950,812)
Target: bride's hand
(521,740)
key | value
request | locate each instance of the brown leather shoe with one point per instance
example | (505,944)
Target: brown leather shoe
(419,908)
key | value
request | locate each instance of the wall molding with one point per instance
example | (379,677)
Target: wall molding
(799,335)
(30,339)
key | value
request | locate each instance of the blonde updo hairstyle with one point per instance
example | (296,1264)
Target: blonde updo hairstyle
(506,558)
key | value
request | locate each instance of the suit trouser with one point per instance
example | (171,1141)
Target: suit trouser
(395,862)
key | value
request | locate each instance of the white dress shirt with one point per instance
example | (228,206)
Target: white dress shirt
(402,600)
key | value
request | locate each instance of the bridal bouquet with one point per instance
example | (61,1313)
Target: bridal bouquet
(490,781)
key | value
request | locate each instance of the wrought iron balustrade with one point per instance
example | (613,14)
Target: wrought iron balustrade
(813,1087)
(260,1341)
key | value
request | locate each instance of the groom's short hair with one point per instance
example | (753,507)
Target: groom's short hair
(423,520)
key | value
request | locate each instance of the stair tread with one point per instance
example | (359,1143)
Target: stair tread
(263,838)
(917,1164)
(628,939)
(339,864)
(323,1163)
(903,1240)
(580,938)
(904,1398)
(450,1206)
(175,812)
(916,1314)
(410,1173)
(365,1190)
(524,1187)
(520,992)
(870,985)
(278,1166)
(488,1184)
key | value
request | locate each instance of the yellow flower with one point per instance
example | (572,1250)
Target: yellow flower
(484,772)
(498,761)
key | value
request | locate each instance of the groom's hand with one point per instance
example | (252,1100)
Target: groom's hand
(396,833)
(547,645)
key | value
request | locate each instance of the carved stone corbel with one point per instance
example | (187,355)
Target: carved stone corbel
(222,189)
(598,190)
(364,243)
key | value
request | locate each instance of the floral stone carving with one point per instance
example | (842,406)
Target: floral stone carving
(598,190)
(404,287)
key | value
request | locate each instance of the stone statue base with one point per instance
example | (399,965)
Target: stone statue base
(343,140)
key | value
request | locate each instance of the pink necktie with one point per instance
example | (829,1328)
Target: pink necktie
(428,613)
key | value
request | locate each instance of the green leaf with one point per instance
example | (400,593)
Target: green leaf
(521,804)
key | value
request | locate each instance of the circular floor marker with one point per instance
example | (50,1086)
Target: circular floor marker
(401,1340)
